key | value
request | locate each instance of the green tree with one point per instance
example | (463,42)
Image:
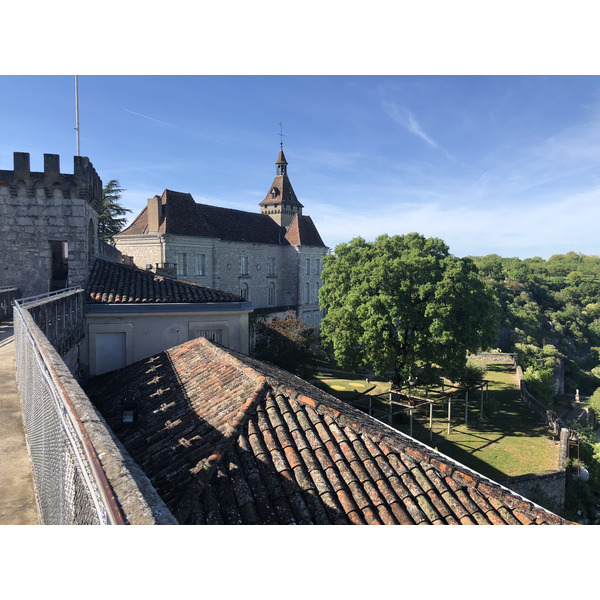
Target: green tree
(287,342)
(540,384)
(595,402)
(112,218)
(404,304)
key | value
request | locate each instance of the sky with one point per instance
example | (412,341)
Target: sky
(489,164)
(478,123)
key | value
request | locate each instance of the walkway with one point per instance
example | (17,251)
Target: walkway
(18,505)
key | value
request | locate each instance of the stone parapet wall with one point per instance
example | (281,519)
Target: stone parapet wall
(108,252)
(493,357)
(546,488)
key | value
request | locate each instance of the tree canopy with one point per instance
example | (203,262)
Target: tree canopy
(112,218)
(286,341)
(550,314)
(404,304)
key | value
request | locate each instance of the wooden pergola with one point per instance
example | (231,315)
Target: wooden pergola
(411,398)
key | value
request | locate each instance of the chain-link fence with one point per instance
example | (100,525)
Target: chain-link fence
(70,484)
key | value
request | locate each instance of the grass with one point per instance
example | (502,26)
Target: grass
(507,441)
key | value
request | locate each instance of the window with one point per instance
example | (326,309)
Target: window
(244,265)
(271,266)
(307,293)
(201,265)
(181,264)
(307,266)
(245,291)
(59,265)
(271,294)
(316,293)
(318,266)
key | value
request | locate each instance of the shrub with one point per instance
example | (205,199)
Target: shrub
(540,383)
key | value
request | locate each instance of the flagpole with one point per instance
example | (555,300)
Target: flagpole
(77,112)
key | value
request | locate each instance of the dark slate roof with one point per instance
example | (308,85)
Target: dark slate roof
(115,283)
(302,232)
(228,439)
(182,216)
(281,192)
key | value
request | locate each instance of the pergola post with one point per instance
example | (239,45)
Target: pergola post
(481,410)
(430,421)
(467,408)
(449,412)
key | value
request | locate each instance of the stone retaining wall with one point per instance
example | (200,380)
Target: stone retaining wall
(546,488)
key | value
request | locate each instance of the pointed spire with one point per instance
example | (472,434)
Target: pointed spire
(281,162)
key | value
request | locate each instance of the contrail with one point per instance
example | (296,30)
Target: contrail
(175,127)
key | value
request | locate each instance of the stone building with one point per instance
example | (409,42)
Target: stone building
(48,224)
(272,259)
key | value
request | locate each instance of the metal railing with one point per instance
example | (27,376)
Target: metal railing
(70,483)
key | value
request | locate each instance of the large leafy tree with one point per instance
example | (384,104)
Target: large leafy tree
(287,342)
(404,304)
(112,218)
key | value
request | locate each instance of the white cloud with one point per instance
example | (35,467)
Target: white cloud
(509,230)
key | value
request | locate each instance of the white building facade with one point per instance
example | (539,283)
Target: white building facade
(272,258)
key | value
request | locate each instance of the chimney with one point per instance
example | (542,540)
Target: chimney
(154,214)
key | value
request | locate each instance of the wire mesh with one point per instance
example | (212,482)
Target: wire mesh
(67,493)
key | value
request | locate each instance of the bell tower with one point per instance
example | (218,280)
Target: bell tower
(281,203)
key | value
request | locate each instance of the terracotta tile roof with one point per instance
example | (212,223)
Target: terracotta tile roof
(228,439)
(302,231)
(115,283)
(182,216)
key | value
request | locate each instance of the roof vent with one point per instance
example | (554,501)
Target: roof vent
(130,412)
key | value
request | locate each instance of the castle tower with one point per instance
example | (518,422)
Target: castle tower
(48,224)
(281,203)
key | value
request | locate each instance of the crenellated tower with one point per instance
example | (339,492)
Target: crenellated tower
(48,224)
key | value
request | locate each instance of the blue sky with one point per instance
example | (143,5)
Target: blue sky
(504,164)
(451,119)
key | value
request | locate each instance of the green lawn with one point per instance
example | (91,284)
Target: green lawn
(506,442)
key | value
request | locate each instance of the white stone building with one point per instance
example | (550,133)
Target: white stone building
(272,258)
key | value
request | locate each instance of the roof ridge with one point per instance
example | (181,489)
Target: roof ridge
(204,471)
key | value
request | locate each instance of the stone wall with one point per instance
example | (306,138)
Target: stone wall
(37,208)
(493,357)
(108,252)
(546,488)
(147,249)
(7,296)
